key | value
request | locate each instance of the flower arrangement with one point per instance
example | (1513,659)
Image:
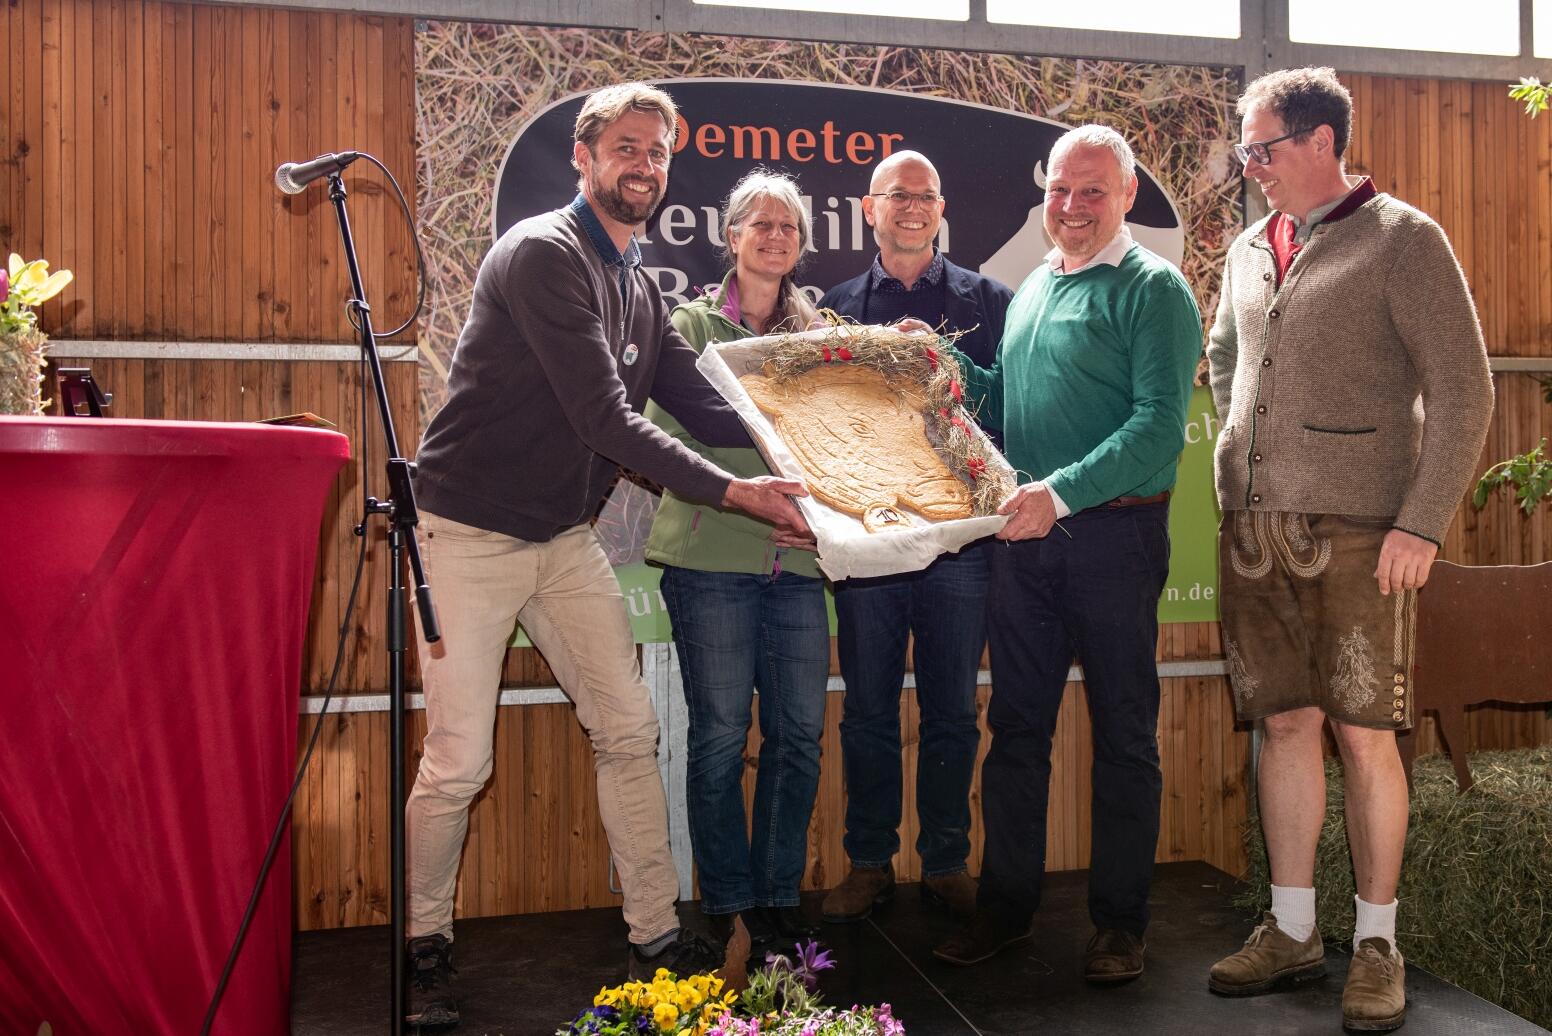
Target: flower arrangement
(781,1000)
(24,285)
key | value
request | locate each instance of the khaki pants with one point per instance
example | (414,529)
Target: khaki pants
(568,601)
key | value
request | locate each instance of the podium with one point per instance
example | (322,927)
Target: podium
(153,605)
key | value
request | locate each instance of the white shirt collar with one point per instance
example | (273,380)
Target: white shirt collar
(1110,255)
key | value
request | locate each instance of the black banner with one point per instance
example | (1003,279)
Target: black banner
(830,138)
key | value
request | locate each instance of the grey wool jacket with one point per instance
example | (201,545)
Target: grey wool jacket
(1360,385)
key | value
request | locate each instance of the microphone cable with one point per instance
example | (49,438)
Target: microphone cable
(420,259)
(345,620)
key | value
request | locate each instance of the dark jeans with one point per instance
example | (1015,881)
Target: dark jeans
(945,607)
(1092,590)
(736,634)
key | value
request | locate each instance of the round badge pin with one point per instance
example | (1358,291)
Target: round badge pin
(631,352)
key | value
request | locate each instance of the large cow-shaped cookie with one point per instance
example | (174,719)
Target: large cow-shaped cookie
(862,442)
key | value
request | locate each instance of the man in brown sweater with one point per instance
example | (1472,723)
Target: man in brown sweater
(566,338)
(1348,368)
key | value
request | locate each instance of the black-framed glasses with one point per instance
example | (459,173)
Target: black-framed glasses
(902,198)
(1261,150)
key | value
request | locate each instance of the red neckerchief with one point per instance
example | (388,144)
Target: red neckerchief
(1280,228)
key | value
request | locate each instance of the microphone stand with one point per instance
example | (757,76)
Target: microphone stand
(402,519)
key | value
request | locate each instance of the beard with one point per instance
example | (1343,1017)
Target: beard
(630,209)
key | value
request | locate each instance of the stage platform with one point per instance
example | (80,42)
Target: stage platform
(523,976)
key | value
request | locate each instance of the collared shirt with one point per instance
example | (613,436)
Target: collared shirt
(1287,236)
(1110,255)
(885,283)
(603,244)
(1302,229)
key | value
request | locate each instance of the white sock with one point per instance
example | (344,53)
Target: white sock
(1294,909)
(1375,921)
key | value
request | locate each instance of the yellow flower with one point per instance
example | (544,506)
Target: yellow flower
(607,996)
(32,284)
(665,1014)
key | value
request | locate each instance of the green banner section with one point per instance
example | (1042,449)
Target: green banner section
(1190,595)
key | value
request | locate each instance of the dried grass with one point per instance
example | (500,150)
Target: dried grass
(476,84)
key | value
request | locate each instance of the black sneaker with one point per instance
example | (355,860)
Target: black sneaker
(430,974)
(685,954)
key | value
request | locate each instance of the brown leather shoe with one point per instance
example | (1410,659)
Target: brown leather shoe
(1113,956)
(1269,957)
(953,892)
(855,898)
(983,937)
(1374,999)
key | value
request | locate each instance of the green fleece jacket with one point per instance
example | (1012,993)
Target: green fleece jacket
(688,535)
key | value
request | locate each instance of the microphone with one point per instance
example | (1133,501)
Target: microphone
(293,177)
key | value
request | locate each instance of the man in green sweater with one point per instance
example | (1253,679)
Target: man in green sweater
(1349,371)
(1090,390)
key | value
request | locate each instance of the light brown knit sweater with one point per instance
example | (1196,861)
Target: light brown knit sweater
(1322,384)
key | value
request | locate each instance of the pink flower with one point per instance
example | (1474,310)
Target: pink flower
(5,284)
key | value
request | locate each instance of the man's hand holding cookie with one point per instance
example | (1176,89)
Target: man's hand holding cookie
(769,497)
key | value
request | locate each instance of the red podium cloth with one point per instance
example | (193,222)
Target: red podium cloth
(153,605)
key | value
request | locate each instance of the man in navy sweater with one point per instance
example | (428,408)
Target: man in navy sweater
(567,337)
(943,605)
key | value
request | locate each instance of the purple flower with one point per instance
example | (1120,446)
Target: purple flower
(811,960)
(5,284)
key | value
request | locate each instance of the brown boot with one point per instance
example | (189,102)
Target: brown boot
(984,936)
(953,892)
(1374,999)
(863,889)
(1269,957)
(1113,956)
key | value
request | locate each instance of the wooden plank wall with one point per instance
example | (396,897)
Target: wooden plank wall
(1467,155)
(139,142)
(140,146)
(535,841)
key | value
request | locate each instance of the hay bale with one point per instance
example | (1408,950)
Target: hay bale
(1476,883)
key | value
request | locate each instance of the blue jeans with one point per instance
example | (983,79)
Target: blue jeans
(945,607)
(1092,591)
(736,634)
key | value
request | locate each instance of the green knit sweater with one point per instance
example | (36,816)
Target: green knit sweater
(689,535)
(1092,379)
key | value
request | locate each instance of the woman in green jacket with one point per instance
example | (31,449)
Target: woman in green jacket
(747,614)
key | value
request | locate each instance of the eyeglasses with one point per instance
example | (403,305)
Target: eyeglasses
(903,198)
(1261,150)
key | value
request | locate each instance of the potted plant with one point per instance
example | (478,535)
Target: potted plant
(24,285)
